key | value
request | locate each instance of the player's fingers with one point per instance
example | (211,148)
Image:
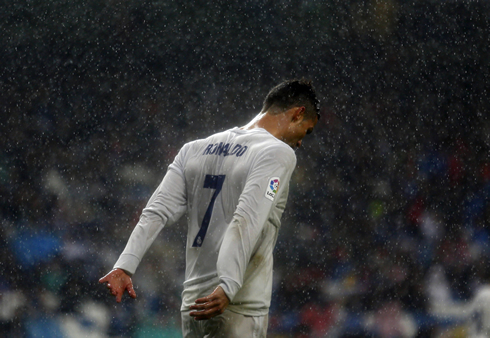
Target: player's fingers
(206,314)
(131,291)
(206,308)
(112,290)
(118,296)
(203,305)
(213,301)
(198,307)
(202,300)
(103,279)
(201,315)
(208,299)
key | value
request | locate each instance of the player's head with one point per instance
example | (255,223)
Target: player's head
(296,108)
(290,94)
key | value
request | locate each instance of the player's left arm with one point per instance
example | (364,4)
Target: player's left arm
(211,305)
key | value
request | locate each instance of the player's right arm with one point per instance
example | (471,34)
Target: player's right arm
(167,204)
(118,281)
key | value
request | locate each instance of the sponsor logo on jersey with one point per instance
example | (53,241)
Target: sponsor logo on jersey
(225,149)
(272,188)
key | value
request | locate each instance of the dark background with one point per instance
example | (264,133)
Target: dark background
(388,215)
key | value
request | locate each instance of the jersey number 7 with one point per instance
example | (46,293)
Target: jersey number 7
(210,182)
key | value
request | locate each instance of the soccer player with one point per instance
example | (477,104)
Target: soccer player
(233,186)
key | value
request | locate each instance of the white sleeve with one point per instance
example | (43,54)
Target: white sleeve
(252,213)
(167,204)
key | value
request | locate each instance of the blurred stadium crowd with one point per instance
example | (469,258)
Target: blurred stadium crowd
(388,220)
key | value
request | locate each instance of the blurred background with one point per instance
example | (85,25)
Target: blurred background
(386,233)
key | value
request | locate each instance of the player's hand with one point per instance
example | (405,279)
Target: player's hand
(210,306)
(117,282)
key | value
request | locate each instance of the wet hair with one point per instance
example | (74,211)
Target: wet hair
(292,93)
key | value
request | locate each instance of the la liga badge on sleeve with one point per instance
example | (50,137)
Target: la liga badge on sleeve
(272,188)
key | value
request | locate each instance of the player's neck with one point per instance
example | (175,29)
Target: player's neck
(254,122)
(274,124)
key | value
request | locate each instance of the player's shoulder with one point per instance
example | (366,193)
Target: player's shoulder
(278,147)
(264,145)
(275,149)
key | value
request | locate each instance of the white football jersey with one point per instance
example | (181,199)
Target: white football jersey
(235,183)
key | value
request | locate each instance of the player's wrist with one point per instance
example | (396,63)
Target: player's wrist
(230,287)
(123,271)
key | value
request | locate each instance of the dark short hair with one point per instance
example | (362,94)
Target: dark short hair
(293,93)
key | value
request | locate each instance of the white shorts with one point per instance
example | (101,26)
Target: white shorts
(227,325)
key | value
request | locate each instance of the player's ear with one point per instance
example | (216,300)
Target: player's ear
(298,114)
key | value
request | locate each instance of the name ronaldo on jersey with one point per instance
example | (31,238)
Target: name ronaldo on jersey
(225,149)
